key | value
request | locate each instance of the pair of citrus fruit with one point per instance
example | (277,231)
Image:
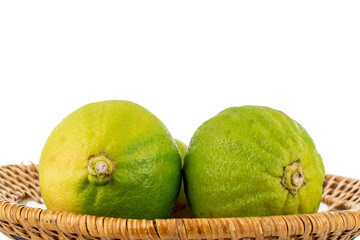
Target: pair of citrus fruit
(116,159)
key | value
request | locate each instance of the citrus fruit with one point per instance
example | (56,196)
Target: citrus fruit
(252,161)
(181,208)
(113,159)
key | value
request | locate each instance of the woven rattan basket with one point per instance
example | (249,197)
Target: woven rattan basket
(21,181)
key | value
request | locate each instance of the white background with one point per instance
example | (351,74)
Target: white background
(184,61)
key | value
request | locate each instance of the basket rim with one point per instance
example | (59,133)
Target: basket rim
(347,219)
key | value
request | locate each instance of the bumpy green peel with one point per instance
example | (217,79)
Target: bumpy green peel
(252,161)
(145,181)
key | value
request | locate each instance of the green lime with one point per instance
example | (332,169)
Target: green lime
(252,161)
(113,159)
(181,208)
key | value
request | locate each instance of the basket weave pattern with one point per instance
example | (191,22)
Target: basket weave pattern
(20,181)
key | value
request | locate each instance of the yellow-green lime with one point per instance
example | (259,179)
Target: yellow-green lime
(111,158)
(252,161)
(181,208)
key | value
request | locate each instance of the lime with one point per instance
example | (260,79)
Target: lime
(113,159)
(252,161)
(181,208)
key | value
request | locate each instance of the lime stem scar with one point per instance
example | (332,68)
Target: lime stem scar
(293,178)
(298,179)
(100,168)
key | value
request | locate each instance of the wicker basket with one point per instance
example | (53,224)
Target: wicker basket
(21,181)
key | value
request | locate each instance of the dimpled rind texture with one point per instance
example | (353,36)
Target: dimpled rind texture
(146,179)
(235,161)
